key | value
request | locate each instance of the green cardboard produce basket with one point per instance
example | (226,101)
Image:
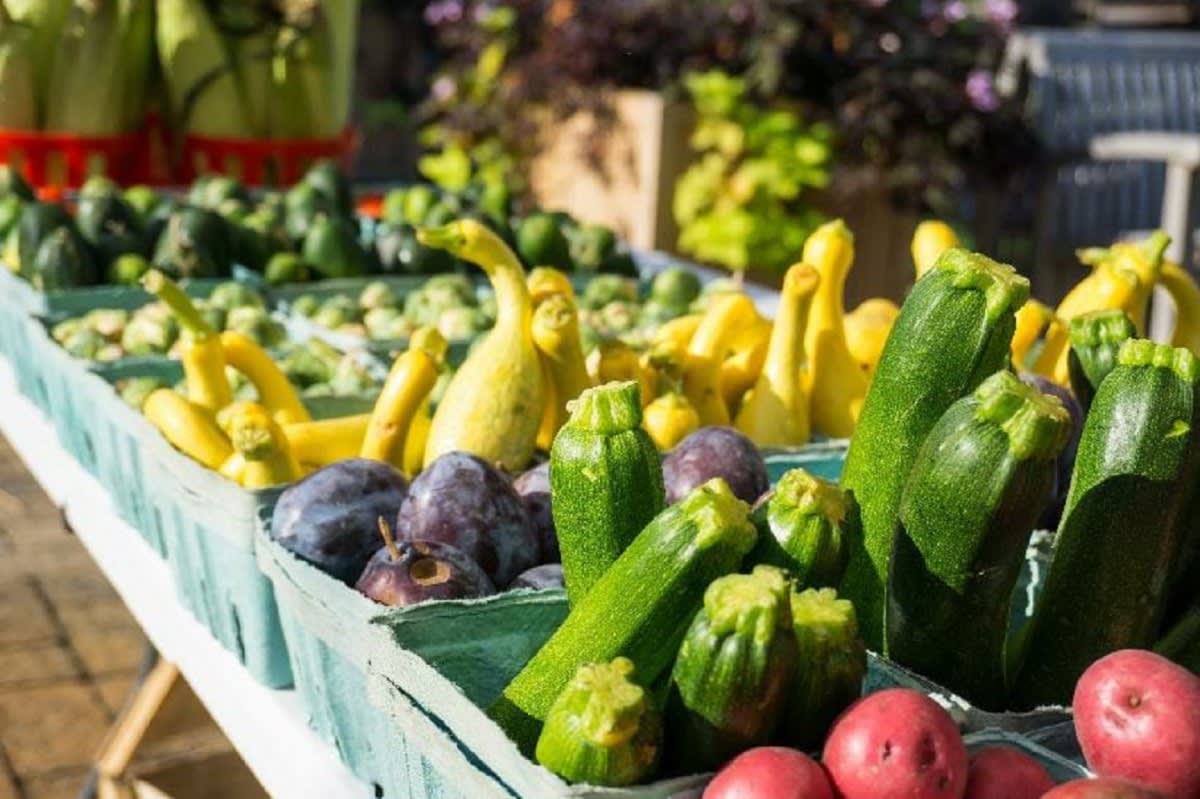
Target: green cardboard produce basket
(202,524)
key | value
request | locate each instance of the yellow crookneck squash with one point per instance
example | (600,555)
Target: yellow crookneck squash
(931,238)
(744,361)
(867,329)
(430,340)
(493,405)
(775,412)
(1122,278)
(262,445)
(556,336)
(727,314)
(614,361)
(833,381)
(1186,296)
(411,378)
(1033,322)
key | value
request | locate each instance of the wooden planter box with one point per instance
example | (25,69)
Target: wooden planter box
(643,154)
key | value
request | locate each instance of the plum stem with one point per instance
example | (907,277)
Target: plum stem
(389,540)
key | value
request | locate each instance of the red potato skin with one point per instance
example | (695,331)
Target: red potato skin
(1001,772)
(896,744)
(1102,788)
(770,772)
(1137,717)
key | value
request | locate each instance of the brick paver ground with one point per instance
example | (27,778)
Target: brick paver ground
(69,649)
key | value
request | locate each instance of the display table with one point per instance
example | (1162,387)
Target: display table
(267,727)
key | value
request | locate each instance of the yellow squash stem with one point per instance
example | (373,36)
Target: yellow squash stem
(1033,321)
(275,391)
(327,441)
(234,467)
(867,330)
(614,361)
(259,439)
(188,427)
(202,356)
(546,281)
(727,314)
(775,411)
(430,340)
(1123,277)
(493,405)
(409,382)
(744,363)
(1186,296)
(931,238)
(833,380)
(556,335)
(676,335)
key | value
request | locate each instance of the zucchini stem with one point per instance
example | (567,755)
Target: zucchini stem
(389,540)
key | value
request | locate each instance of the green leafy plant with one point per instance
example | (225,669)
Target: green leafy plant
(743,203)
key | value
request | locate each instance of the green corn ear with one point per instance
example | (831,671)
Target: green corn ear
(44,18)
(205,95)
(87,81)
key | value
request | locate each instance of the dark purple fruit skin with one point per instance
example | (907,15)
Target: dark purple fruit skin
(425,570)
(1066,459)
(331,518)
(534,489)
(715,452)
(463,501)
(548,575)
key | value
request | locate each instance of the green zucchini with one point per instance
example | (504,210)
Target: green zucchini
(1182,642)
(1096,338)
(603,729)
(640,608)
(800,529)
(830,670)
(1123,524)
(606,482)
(734,670)
(973,496)
(953,331)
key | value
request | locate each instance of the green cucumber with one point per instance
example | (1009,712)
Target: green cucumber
(1096,338)
(800,529)
(606,482)
(603,729)
(830,670)
(1123,524)
(640,608)
(973,496)
(734,670)
(954,330)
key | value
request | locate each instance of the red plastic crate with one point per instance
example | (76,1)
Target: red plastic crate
(261,162)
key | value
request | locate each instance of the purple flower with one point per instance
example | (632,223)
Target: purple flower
(443,88)
(955,11)
(981,89)
(441,12)
(1002,13)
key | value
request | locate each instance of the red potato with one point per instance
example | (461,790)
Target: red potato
(770,772)
(1102,788)
(1001,772)
(1137,717)
(896,744)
